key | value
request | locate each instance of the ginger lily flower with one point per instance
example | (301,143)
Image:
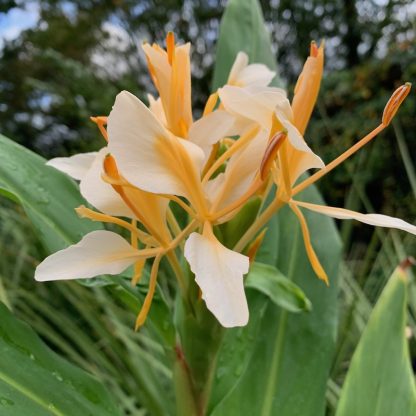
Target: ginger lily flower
(151,158)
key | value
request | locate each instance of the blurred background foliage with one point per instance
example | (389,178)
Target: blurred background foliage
(75,56)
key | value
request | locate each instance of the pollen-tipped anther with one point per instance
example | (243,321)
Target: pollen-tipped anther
(395,102)
(271,152)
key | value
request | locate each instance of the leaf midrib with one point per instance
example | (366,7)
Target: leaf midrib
(29,394)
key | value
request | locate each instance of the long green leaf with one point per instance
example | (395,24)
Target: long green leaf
(47,195)
(35,381)
(380,381)
(242,29)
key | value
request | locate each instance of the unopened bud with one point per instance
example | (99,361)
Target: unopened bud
(314,49)
(270,153)
(395,102)
(170,46)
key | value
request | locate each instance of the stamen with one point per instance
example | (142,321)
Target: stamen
(254,187)
(389,112)
(313,258)
(181,203)
(144,311)
(270,154)
(255,245)
(237,145)
(101,121)
(170,47)
(84,212)
(210,104)
(395,102)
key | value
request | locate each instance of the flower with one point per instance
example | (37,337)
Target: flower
(159,155)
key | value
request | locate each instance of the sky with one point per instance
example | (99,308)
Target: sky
(18,19)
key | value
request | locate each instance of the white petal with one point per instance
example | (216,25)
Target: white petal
(244,75)
(99,252)
(137,140)
(377,220)
(256,104)
(255,74)
(75,166)
(219,273)
(208,130)
(100,194)
(156,108)
(241,61)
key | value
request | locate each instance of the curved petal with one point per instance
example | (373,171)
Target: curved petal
(219,273)
(377,220)
(99,252)
(244,75)
(100,194)
(255,104)
(75,166)
(241,61)
(147,155)
(211,128)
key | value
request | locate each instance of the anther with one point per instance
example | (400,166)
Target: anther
(395,102)
(271,152)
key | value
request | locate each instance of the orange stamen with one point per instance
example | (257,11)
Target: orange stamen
(255,245)
(270,154)
(101,121)
(210,104)
(144,311)
(390,110)
(395,102)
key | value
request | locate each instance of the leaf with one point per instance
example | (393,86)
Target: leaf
(35,381)
(277,287)
(380,381)
(242,29)
(47,195)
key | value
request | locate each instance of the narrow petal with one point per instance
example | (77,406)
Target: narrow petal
(156,108)
(75,166)
(241,61)
(99,252)
(219,273)
(147,155)
(100,194)
(313,258)
(377,220)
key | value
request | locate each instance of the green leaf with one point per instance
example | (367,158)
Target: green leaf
(277,287)
(35,381)
(242,29)
(47,195)
(380,381)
